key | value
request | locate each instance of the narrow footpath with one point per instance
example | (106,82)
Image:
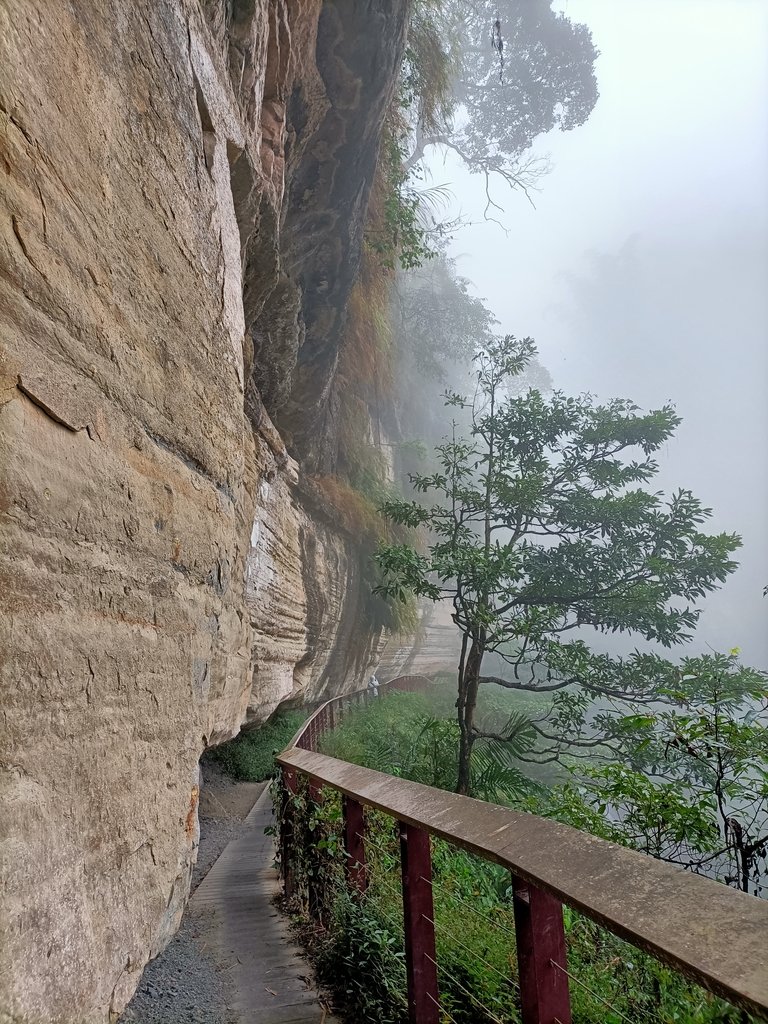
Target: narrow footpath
(271,983)
(233,960)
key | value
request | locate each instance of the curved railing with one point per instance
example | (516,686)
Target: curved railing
(329,714)
(710,933)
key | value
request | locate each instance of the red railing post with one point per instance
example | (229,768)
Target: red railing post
(290,788)
(541,955)
(419,928)
(331,717)
(354,845)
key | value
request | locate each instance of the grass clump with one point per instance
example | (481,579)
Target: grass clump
(352,510)
(250,756)
(364,947)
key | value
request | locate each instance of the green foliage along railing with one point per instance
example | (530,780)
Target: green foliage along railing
(474,930)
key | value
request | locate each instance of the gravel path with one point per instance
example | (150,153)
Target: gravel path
(185,984)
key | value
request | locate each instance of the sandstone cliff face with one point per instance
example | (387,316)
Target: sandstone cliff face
(307,595)
(182,186)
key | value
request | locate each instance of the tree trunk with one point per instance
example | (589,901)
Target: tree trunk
(468,686)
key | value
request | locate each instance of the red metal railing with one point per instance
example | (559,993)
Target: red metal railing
(712,934)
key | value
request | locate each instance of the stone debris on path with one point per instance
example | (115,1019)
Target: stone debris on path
(184,985)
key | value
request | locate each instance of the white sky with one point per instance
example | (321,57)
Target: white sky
(643,270)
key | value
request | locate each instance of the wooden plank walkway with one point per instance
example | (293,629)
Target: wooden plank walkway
(268,981)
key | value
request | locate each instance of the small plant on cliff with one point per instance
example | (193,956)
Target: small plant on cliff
(540,532)
(398,229)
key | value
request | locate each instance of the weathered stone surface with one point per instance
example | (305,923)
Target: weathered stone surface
(159,580)
(330,161)
(307,597)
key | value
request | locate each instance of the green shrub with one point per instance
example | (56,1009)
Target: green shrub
(250,757)
(361,957)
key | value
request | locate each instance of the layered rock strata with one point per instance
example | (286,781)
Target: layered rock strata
(182,186)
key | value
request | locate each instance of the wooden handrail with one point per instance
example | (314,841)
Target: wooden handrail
(712,934)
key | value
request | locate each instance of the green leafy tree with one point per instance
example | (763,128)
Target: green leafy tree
(541,534)
(692,787)
(516,71)
(544,80)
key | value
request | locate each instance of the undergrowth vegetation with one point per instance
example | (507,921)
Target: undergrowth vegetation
(250,756)
(415,736)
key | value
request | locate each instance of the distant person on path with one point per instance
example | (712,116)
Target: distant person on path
(373,685)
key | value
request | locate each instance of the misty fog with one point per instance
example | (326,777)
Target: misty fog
(641,272)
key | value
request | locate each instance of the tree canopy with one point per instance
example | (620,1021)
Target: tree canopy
(493,76)
(543,536)
(436,316)
(691,786)
(547,79)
